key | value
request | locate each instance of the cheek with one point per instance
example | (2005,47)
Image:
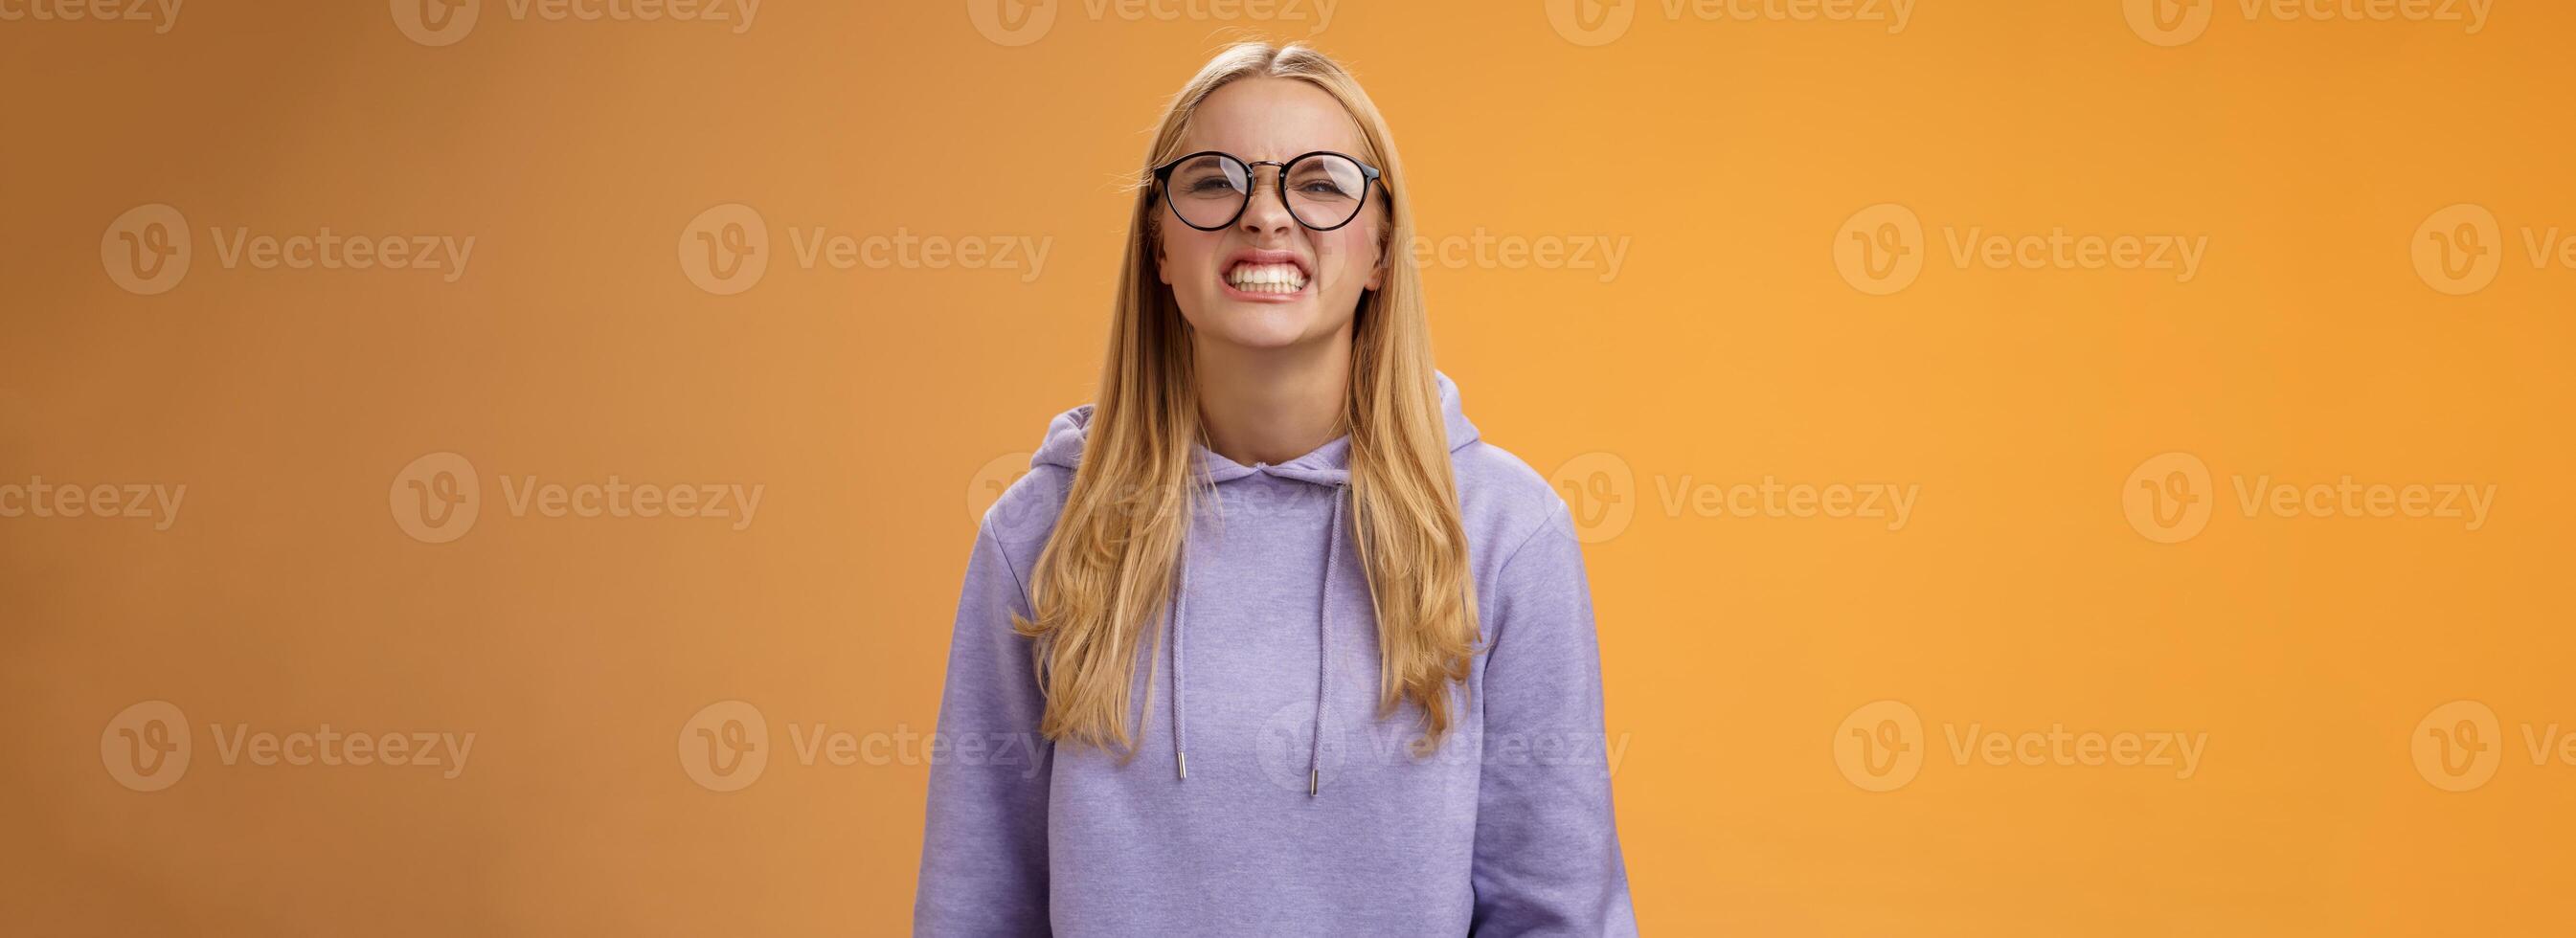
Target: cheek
(1186,257)
(1350,254)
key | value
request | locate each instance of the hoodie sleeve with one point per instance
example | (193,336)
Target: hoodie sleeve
(984,840)
(1547,858)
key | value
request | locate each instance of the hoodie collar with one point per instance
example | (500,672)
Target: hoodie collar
(1329,464)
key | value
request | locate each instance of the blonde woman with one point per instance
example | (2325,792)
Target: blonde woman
(1267,641)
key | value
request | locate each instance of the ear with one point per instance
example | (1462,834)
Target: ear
(1377,273)
(1162,264)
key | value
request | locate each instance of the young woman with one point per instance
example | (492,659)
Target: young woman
(1267,641)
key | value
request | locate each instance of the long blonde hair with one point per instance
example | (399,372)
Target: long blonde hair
(1106,574)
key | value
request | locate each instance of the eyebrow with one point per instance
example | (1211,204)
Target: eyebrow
(1353,153)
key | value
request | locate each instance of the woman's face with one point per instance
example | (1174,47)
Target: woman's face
(1275,119)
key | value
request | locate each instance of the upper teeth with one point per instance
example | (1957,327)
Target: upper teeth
(1267,278)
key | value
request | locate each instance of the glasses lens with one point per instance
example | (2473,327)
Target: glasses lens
(1325,190)
(1207,190)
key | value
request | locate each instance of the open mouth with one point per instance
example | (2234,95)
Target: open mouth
(1266,274)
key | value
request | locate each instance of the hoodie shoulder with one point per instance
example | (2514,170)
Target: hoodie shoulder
(1025,515)
(1502,500)
(1026,512)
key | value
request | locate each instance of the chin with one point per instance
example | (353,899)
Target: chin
(1264,324)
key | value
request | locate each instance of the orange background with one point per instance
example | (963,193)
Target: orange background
(867,402)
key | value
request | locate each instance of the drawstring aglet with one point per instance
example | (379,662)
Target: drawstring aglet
(1314,781)
(1184,759)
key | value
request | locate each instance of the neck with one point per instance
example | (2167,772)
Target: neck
(1272,405)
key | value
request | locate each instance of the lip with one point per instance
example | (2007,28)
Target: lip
(1252,256)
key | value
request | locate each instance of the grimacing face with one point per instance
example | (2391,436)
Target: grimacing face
(1266,281)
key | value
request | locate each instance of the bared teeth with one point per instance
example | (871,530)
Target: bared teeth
(1267,278)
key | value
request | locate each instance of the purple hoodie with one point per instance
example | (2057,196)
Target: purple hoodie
(1265,796)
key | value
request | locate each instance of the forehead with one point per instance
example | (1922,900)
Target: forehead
(1271,119)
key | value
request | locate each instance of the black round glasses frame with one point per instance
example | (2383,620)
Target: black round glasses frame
(1162,176)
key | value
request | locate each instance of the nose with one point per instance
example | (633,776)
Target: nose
(1266,213)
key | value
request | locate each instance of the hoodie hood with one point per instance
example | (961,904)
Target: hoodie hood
(1329,466)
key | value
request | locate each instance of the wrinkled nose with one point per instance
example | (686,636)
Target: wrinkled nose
(1266,214)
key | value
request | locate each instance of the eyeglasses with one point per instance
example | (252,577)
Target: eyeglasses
(1208,190)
